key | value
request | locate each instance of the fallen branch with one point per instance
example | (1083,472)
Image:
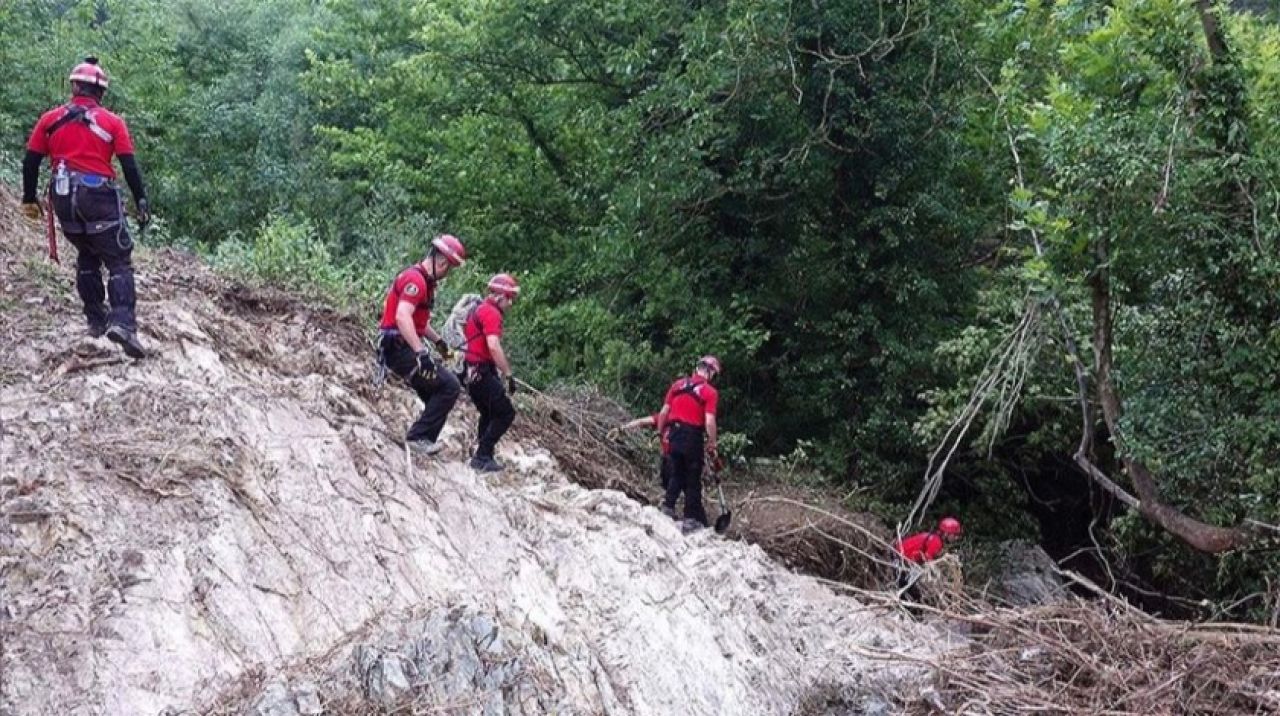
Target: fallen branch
(77,363)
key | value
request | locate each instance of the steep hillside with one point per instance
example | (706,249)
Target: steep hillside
(231,527)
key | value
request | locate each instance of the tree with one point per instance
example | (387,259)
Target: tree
(1133,180)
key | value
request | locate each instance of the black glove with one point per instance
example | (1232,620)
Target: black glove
(426,366)
(446,354)
(713,459)
(143,214)
(511,385)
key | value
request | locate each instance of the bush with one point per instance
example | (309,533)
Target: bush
(286,252)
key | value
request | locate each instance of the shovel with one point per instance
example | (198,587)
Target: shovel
(722,522)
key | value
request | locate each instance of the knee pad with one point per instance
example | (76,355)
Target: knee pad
(119,267)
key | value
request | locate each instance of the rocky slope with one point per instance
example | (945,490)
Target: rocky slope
(232,527)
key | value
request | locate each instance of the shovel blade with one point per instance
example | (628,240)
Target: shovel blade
(722,522)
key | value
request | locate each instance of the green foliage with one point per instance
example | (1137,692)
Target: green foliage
(286,253)
(675,180)
(1139,148)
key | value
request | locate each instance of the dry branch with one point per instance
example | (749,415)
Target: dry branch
(1099,657)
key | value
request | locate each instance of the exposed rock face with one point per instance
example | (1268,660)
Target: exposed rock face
(231,527)
(1027,575)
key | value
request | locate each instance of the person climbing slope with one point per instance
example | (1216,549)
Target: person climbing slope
(80,138)
(406,322)
(689,414)
(927,546)
(489,380)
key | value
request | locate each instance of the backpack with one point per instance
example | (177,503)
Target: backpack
(454,331)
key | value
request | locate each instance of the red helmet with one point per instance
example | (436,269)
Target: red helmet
(90,73)
(450,248)
(711,362)
(504,284)
(950,526)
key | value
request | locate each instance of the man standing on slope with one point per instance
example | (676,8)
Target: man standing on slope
(689,414)
(406,321)
(80,138)
(924,547)
(489,380)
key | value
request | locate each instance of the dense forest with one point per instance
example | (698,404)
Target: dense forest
(1026,250)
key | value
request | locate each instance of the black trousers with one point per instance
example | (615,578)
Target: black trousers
(494,405)
(438,393)
(685,472)
(92,219)
(664,472)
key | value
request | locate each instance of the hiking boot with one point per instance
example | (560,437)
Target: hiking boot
(485,464)
(688,526)
(127,341)
(97,330)
(669,511)
(425,447)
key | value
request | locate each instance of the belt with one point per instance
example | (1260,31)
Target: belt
(93,181)
(686,426)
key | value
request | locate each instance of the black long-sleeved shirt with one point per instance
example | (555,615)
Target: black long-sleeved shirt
(31,175)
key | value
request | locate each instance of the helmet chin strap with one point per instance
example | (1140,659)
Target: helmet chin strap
(431,257)
(84,89)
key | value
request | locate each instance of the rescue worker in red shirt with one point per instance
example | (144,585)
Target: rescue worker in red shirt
(927,546)
(489,380)
(405,325)
(651,421)
(688,418)
(80,138)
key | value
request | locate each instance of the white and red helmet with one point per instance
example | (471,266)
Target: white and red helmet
(711,362)
(504,284)
(90,73)
(450,248)
(950,526)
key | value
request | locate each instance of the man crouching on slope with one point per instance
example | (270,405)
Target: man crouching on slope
(406,321)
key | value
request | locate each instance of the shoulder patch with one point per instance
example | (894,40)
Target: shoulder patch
(411,289)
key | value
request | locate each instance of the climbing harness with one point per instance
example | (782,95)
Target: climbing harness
(84,115)
(78,188)
(690,388)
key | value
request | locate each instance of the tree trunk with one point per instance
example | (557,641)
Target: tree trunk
(1199,535)
(1212,29)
